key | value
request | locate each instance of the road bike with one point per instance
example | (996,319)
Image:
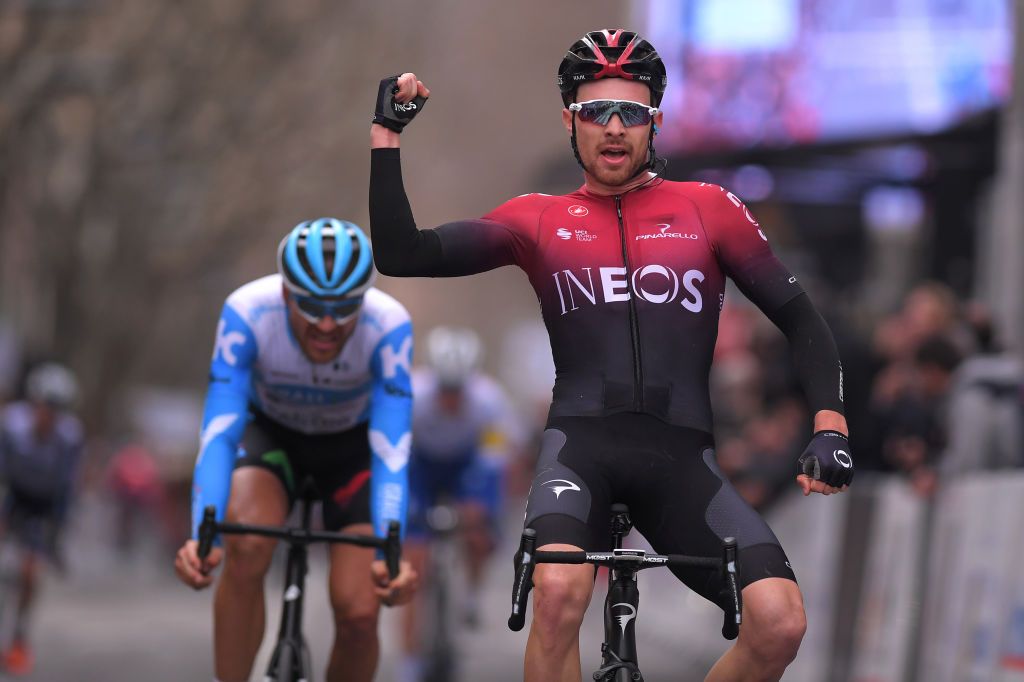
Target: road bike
(621,607)
(290,660)
(439,648)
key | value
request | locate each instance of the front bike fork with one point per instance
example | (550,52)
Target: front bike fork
(618,653)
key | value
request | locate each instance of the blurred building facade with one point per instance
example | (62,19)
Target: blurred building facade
(154,153)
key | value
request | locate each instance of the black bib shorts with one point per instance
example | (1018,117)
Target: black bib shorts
(667,475)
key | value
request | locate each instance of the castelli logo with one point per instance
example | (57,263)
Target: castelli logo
(578,211)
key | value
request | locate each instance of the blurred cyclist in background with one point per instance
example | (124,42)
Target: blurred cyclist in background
(310,376)
(40,448)
(463,430)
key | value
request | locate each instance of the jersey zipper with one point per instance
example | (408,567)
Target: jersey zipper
(634,325)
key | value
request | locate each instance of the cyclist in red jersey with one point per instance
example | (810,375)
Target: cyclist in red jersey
(630,272)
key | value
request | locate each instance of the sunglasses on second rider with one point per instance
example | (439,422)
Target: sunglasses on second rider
(315,309)
(600,111)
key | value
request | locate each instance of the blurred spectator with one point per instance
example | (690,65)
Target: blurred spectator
(986,405)
(941,395)
(134,480)
(41,443)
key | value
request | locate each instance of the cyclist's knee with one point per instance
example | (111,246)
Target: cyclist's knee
(356,622)
(479,540)
(248,557)
(774,626)
(561,595)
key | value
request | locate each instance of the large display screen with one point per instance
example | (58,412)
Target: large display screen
(748,73)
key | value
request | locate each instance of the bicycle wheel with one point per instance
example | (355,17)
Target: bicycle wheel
(439,646)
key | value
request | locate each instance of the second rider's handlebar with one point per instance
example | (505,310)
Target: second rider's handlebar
(528,557)
(391,545)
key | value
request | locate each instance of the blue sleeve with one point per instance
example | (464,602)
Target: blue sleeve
(391,428)
(224,415)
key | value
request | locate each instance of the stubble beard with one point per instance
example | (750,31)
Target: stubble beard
(615,177)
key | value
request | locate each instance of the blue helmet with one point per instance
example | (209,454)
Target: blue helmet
(306,252)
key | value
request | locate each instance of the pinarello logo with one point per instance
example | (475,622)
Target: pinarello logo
(563,233)
(578,211)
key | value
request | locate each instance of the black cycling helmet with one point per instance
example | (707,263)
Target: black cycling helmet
(611,53)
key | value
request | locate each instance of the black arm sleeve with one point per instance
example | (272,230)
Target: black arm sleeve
(399,248)
(454,249)
(814,351)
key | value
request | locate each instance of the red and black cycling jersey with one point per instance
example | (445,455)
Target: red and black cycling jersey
(630,286)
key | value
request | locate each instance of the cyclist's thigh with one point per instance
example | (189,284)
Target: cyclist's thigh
(31,522)
(340,466)
(257,497)
(683,504)
(570,495)
(262,479)
(349,581)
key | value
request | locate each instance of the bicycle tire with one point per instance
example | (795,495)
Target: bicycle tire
(441,662)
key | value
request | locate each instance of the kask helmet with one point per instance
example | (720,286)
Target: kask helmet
(611,53)
(454,354)
(326,258)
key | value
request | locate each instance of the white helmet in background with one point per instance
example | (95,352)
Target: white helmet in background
(454,353)
(52,384)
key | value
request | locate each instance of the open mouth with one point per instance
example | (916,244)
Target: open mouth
(614,156)
(323,343)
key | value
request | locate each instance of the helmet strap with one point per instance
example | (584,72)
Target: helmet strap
(575,148)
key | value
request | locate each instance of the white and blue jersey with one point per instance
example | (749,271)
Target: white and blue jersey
(460,455)
(485,425)
(257,363)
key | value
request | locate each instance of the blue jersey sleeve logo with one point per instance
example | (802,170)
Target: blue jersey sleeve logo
(234,338)
(393,359)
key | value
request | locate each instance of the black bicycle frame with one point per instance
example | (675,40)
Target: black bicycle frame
(621,607)
(291,650)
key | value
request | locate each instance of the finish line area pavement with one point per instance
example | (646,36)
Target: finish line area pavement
(115,619)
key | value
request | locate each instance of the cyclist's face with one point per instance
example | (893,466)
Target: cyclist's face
(320,342)
(611,153)
(45,419)
(450,400)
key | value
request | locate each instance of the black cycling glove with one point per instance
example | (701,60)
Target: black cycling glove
(827,459)
(391,114)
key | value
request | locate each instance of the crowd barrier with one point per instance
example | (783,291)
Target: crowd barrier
(901,588)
